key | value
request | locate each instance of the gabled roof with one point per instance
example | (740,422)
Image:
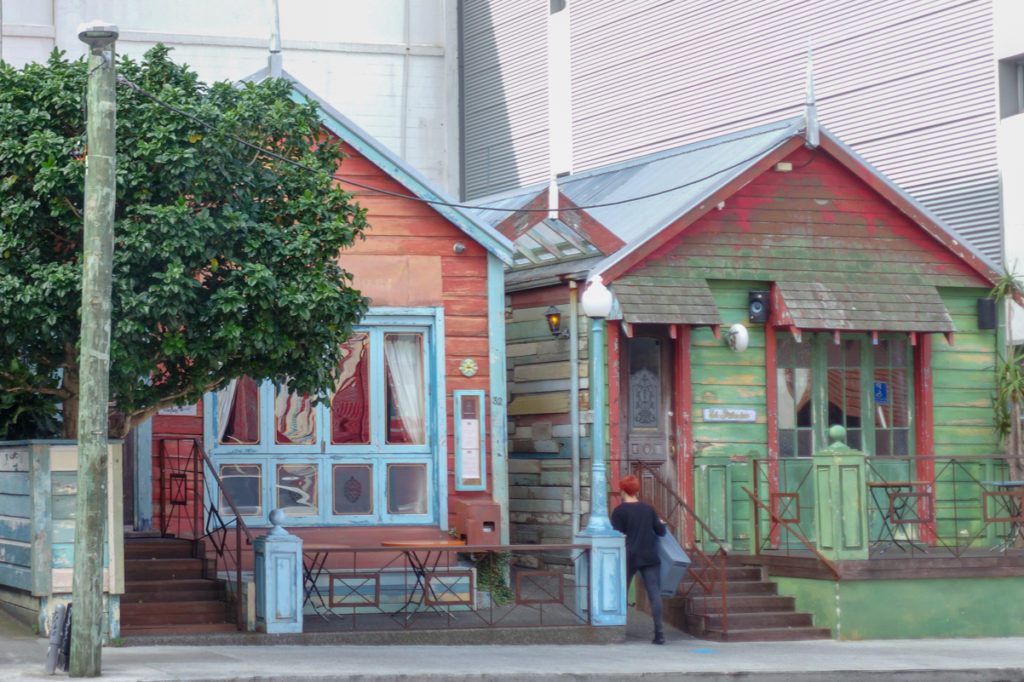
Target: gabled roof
(648,200)
(337,123)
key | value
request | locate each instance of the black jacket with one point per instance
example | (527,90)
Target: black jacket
(640,524)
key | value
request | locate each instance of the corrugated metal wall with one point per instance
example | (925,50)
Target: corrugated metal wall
(504,94)
(910,85)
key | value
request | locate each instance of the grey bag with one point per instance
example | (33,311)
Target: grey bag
(674,563)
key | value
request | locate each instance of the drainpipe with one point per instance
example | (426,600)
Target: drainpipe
(574,402)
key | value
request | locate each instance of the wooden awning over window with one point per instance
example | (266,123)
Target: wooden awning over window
(860,307)
(656,300)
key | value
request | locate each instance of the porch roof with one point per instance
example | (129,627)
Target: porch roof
(860,307)
(648,300)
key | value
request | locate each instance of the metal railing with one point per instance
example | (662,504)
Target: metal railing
(709,554)
(449,587)
(915,505)
(190,491)
(951,504)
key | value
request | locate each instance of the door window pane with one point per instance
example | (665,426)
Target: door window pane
(891,397)
(350,405)
(294,417)
(844,388)
(407,489)
(644,383)
(241,482)
(353,489)
(297,489)
(793,379)
(238,412)
(406,405)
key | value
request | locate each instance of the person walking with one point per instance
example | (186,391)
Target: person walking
(640,524)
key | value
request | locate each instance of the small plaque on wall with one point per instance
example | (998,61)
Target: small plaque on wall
(470,452)
(730,414)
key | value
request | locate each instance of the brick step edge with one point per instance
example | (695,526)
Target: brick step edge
(768,634)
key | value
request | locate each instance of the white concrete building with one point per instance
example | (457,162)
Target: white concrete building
(389,65)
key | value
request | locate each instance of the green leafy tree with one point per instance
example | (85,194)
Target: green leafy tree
(225,258)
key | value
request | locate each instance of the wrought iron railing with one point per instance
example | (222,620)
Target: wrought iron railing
(190,493)
(708,575)
(913,505)
(446,587)
(944,504)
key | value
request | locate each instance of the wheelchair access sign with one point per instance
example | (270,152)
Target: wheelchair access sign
(881,393)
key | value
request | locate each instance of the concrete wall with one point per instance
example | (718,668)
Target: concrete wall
(910,609)
(389,65)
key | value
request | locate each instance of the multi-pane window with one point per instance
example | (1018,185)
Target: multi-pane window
(365,452)
(793,369)
(860,385)
(890,391)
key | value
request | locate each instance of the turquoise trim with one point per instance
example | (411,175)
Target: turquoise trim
(457,398)
(268,455)
(496,243)
(437,391)
(499,419)
(144,476)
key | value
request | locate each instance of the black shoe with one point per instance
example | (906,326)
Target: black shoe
(658,639)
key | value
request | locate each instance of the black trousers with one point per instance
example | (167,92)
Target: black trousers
(651,575)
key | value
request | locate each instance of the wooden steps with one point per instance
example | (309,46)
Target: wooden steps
(755,610)
(167,591)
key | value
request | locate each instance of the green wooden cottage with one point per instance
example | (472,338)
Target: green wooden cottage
(770,285)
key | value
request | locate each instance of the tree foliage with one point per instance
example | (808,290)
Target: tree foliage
(225,260)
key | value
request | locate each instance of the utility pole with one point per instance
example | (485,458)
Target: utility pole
(94,361)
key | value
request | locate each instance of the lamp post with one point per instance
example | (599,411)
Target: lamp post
(606,569)
(597,304)
(94,361)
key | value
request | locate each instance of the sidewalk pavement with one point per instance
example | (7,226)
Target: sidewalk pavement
(22,656)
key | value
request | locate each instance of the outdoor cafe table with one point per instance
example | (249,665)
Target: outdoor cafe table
(314,556)
(895,510)
(1011,496)
(423,557)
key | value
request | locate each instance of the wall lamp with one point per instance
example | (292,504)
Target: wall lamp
(554,317)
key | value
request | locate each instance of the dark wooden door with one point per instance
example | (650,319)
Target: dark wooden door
(647,399)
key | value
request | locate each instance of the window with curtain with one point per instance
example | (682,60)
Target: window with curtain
(863,386)
(362,454)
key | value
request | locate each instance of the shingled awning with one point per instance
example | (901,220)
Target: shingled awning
(649,300)
(861,307)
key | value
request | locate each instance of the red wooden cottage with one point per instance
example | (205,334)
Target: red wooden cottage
(411,445)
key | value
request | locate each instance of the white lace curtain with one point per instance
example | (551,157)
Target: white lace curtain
(404,360)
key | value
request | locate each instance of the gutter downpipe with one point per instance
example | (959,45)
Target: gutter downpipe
(574,401)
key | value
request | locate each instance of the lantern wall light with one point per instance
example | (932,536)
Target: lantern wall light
(554,318)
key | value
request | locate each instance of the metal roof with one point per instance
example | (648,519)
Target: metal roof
(635,200)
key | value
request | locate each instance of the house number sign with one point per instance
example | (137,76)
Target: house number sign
(730,414)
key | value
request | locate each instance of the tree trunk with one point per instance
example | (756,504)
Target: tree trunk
(70,409)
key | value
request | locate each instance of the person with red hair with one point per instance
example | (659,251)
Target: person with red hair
(640,524)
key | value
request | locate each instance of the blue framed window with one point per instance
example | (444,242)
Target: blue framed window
(370,453)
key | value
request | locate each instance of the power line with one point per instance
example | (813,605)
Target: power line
(436,202)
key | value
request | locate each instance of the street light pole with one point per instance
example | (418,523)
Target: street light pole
(606,568)
(94,359)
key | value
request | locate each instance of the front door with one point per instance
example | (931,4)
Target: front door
(647,400)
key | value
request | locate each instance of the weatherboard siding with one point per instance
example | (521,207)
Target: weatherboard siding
(818,222)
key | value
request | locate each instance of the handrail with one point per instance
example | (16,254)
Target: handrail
(778,520)
(202,471)
(712,570)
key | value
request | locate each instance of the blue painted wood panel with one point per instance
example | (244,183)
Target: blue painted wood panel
(14,482)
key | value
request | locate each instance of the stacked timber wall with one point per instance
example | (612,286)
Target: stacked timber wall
(540,422)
